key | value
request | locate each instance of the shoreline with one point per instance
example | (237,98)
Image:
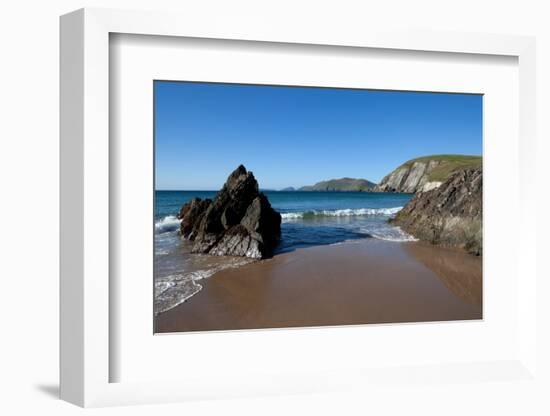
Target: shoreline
(363,281)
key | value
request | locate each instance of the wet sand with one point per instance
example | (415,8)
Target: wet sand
(361,282)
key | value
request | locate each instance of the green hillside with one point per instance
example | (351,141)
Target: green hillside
(449,163)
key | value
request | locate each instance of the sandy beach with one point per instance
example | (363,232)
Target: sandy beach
(361,282)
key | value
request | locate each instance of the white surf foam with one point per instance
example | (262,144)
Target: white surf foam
(341,213)
(389,233)
(172,290)
(167,224)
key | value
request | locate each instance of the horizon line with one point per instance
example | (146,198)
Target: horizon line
(296,188)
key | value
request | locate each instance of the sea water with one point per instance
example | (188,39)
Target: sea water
(308,219)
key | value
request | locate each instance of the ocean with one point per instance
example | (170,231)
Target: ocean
(308,219)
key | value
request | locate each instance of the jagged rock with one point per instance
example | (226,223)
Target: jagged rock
(191,215)
(260,219)
(237,241)
(450,215)
(238,222)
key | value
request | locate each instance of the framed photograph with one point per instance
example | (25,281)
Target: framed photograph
(240,249)
(307,203)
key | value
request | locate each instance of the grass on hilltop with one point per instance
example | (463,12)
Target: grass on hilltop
(449,164)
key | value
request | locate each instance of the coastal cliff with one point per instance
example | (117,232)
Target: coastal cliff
(450,215)
(239,221)
(425,173)
(341,185)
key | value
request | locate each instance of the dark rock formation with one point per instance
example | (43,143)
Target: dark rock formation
(191,215)
(238,222)
(450,215)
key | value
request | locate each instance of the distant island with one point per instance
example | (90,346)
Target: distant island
(341,185)
(288,189)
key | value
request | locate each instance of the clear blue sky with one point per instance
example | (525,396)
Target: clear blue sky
(292,136)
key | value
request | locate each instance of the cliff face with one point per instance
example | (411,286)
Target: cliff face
(410,178)
(344,185)
(426,173)
(450,215)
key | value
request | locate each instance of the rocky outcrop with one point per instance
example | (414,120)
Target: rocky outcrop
(450,215)
(425,173)
(191,215)
(341,185)
(239,221)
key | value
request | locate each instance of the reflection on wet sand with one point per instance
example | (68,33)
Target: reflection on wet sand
(460,272)
(362,282)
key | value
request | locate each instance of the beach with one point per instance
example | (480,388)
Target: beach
(309,219)
(365,281)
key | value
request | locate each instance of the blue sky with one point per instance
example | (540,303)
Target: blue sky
(293,136)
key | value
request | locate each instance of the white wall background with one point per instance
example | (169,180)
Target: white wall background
(29,204)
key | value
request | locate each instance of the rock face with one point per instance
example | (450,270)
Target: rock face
(341,185)
(425,173)
(239,221)
(410,178)
(191,214)
(450,215)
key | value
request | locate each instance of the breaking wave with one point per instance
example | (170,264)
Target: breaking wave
(167,224)
(340,213)
(395,234)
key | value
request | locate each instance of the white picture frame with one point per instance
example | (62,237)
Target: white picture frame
(86,356)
